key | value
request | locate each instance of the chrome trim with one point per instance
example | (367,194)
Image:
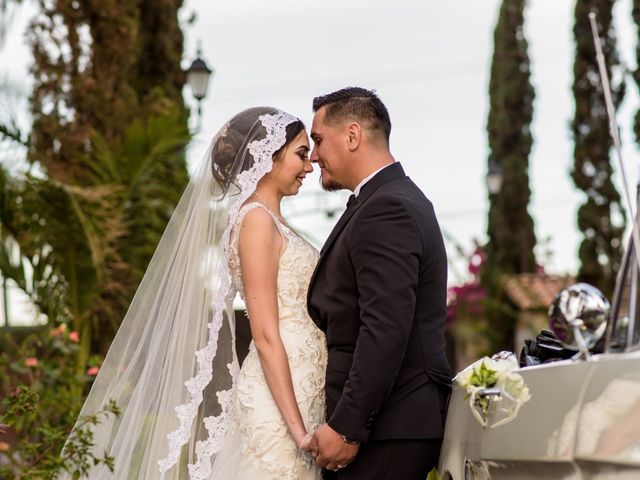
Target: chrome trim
(633,299)
(617,298)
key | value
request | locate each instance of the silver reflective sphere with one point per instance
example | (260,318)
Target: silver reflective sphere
(583,306)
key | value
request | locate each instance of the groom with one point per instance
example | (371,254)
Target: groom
(379,294)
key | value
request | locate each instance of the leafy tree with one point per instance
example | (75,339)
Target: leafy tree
(106,148)
(64,245)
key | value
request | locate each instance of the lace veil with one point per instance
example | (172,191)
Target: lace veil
(172,365)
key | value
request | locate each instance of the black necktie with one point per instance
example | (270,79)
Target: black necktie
(352,199)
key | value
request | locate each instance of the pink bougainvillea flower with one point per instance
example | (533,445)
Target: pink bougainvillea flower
(56,332)
(93,371)
(74,337)
(31,362)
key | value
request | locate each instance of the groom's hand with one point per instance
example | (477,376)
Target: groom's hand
(333,452)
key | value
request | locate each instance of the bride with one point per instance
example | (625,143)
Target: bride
(188,409)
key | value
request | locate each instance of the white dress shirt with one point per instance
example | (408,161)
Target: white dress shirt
(356,191)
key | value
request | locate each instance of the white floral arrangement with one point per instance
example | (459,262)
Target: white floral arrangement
(497,372)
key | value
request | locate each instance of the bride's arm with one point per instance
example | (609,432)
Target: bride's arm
(259,247)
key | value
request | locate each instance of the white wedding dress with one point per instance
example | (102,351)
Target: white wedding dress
(258,445)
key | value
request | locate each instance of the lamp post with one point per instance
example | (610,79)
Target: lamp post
(491,274)
(198,75)
(493,181)
(494,178)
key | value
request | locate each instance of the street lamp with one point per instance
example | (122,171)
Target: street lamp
(198,78)
(494,178)
(491,275)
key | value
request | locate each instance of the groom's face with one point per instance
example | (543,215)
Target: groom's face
(328,151)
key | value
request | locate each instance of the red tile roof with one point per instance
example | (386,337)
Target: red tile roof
(533,291)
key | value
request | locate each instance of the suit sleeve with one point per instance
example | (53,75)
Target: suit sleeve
(385,250)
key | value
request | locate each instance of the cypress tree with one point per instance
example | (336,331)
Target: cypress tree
(635,13)
(601,217)
(510,227)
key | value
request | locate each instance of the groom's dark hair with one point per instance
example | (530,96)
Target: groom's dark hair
(359,104)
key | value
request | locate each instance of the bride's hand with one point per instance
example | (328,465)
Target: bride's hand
(313,446)
(309,444)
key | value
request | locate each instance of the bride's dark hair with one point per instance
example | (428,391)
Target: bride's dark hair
(229,155)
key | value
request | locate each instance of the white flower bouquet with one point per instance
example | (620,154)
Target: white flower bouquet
(494,389)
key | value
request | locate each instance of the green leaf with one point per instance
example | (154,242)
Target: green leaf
(434,475)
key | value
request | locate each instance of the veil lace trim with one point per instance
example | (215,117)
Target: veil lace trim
(216,426)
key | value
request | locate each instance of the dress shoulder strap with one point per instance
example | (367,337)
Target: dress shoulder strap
(250,206)
(246,208)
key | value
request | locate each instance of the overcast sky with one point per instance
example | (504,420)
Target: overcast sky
(429,61)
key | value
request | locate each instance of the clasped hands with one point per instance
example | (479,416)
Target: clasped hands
(329,448)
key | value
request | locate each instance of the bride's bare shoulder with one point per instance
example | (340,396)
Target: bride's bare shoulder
(258,226)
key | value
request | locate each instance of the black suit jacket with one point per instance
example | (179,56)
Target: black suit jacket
(379,294)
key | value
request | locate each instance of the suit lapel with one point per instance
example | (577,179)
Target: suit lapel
(342,222)
(391,172)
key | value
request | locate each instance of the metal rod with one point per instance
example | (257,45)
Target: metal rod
(615,134)
(633,310)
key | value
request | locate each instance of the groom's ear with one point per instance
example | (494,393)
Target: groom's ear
(354,136)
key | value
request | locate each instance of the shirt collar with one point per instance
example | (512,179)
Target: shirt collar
(356,191)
